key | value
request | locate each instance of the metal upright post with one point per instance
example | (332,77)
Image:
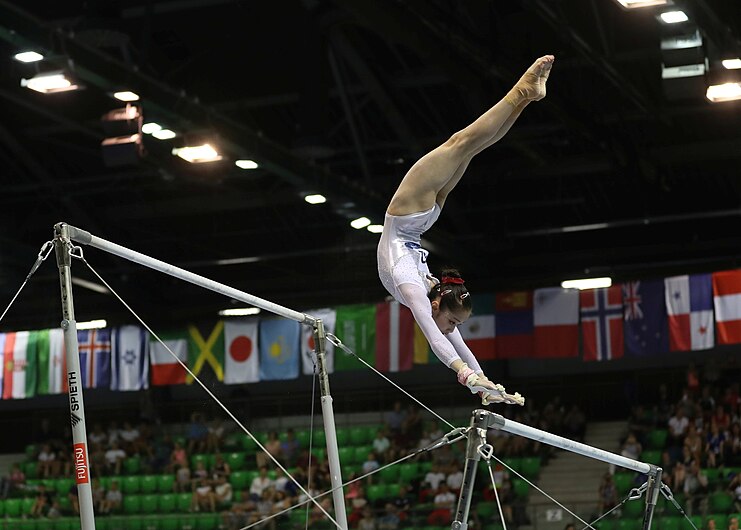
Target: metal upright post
(333,454)
(74,381)
(653,489)
(476,438)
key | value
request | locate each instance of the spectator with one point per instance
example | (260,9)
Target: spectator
(735,488)
(733,522)
(390,519)
(220,468)
(432,481)
(715,445)
(114,458)
(264,508)
(289,448)
(721,418)
(178,458)
(732,446)
(710,524)
(607,494)
(679,476)
(381,445)
(47,462)
(223,492)
(403,501)
(238,515)
(454,480)
(98,493)
(367,522)
(203,498)
(42,502)
(575,423)
(74,499)
(631,447)
(55,511)
(215,436)
(14,482)
(695,487)
(260,484)
(112,432)
(113,499)
(197,434)
(678,425)
(441,515)
(693,442)
(130,438)
(97,435)
(183,480)
(395,418)
(370,464)
(272,446)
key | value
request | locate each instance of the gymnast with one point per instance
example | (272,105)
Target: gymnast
(440,306)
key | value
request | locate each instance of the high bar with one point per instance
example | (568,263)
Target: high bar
(86,238)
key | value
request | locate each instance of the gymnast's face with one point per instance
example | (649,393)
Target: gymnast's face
(446,319)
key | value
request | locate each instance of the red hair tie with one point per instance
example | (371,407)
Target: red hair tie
(449,279)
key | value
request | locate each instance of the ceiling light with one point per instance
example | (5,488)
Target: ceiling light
(197,154)
(28,57)
(375,229)
(92,324)
(588,283)
(731,64)
(49,83)
(673,17)
(636,4)
(246,164)
(360,222)
(239,312)
(126,95)
(151,128)
(725,92)
(315,198)
(164,134)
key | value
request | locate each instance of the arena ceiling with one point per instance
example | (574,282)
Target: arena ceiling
(606,176)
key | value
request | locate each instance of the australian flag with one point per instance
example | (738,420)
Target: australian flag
(644,307)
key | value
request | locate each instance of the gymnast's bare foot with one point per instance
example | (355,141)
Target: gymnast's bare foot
(531,86)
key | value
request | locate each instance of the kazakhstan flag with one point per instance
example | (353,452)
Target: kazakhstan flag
(279,349)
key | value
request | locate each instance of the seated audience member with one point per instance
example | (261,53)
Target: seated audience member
(197,434)
(47,462)
(367,521)
(607,494)
(15,481)
(204,499)
(223,492)
(114,458)
(113,499)
(215,436)
(442,514)
(272,446)
(42,502)
(381,445)
(695,488)
(370,464)
(259,484)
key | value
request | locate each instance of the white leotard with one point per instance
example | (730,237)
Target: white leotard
(402,268)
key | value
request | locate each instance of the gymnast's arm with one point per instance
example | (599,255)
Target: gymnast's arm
(464,352)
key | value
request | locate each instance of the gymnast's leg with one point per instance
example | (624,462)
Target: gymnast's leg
(434,175)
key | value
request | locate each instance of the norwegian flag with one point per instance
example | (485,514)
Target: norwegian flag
(602,323)
(95,357)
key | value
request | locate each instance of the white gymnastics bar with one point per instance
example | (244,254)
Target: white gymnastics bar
(481,420)
(65,233)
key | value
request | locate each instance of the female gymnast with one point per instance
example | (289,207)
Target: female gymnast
(440,306)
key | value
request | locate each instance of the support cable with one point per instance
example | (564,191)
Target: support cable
(46,249)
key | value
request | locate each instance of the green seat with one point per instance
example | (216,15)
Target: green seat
(198,459)
(721,520)
(207,521)
(392,490)
(514,463)
(651,457)
(347,455)
(634,509)
(628,524)
(130,484)
(520,487)
(134,522)
(248,445)
(187,522)
(696,519)
(132,465)
(375,492)
(63,523)
(408,472)
(149,503)
(319,453)
(530,467)
(183,501)
(656,439)
(166,503)
(236,460)
(132,504)
(165,483)
(30,469)
(148,483)
(63,485)
(28,524)
(669,522)
(240,480)
(623,482)
(13,507)
(343,437)
(605,524)
(26,505)
(101,523)
(64,503)
(170,522)
(359,436)
(486,510)
(320,438)
(302,436)
(721,502)
(361,453)
(390,475)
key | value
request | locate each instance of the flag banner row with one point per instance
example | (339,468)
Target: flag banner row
(636,318)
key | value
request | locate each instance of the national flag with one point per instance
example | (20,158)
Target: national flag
(689,305)
(356,328)
(556,319)
(166,370)
(130,358)
(52,376)
(279,349)
(422,351)
(206,348)
(329,319)
(727,300)
(644,309)
(241,356)
(394,337)
(514,324)
(479,330)
(19,380)
(2,361)
(602,323)
(95,357)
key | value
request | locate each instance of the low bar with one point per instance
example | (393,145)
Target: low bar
(86,238)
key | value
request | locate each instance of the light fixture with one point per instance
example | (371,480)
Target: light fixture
(673,17)
(360,222)
(239,312)
(724,92)
(92,324)
(375,229)
(637,4)
(587,283)
(197,154)
(49,83)
(28,57)
(731,64)
(246,164)
(123,145)
(151,127)
(164,134)
(315,198)
(126,95)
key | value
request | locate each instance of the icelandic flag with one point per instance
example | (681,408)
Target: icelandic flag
(514,324)
(602,323)
(95,357)
(279,346)
(130,358)
(556,319)
(645,317)
(689,304)
(329,319)
(727,299)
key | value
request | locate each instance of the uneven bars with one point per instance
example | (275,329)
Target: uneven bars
(86,238)
(500,422)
